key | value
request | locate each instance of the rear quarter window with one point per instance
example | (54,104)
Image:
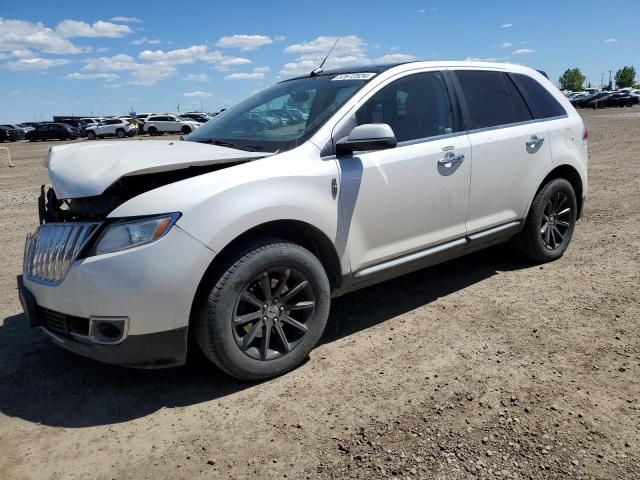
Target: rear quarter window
(542,103)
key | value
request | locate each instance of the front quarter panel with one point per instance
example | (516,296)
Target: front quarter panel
(218,207)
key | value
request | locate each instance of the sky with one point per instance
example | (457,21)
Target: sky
(107,58)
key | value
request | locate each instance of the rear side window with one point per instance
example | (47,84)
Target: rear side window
(491,99)
(416,107)
(539,99)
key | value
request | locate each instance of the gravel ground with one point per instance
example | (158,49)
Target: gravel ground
(483,367)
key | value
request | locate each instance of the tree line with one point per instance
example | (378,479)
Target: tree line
(573,79)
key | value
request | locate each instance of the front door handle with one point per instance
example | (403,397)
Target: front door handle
(451,158)
(535,141)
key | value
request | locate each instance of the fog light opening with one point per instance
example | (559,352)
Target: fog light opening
(106,330)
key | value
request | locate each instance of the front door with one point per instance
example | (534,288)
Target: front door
(404,199)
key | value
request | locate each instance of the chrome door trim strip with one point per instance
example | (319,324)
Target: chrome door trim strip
(493,230)
(443,247)
(396,262)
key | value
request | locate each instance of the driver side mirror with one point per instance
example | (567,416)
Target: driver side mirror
(370,136)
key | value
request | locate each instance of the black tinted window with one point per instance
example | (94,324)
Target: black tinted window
(491,99)
(415,107)
(540,100)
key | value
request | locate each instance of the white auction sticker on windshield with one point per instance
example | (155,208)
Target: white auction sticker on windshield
(354,76)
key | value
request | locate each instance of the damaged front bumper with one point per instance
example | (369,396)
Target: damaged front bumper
(130,307)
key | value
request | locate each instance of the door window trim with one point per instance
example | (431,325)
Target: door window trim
(465,108)
(328,151)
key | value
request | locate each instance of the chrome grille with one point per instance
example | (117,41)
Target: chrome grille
(50,251)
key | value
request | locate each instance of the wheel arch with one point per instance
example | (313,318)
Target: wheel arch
(569,173)
(295,231)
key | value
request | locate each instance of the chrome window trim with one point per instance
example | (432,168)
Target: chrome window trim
(516,124)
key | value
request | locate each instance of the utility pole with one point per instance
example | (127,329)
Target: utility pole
(610,82)
(602,81)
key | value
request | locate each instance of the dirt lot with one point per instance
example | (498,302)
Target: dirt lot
(482,367)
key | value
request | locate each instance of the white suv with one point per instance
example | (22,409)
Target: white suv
(239,236)
(113,127)
(159,124)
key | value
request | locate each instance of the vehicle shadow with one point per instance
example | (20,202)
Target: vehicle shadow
(42,383)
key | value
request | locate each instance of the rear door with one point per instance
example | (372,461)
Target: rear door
(509,148)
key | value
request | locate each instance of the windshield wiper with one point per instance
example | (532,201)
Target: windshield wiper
(222,143)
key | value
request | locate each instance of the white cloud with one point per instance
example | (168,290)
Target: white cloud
(611,40)
(245,76)
(481,59)
(243,42)
(145,40)
(523,51)
(22,53)
(507,45)
(111,85)
(150,74)
(350,50)
(396,57)
(506,25)
(18,34)
(422,11)
(226,63)
(262,69)
(198,94)
(110,64)
(201,77)
(92,76)
(279,38)
(102,49)
(126,19)
(74,28)
(36,64)
(179,56)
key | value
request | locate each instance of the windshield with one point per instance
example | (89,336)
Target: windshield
(282,116)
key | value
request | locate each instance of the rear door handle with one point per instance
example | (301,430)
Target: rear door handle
(451,158)
(535,141)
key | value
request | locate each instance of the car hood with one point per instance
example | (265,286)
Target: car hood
(84,170)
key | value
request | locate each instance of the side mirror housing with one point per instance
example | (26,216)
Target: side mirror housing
(370,136)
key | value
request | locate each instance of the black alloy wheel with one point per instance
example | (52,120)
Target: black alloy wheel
(273,313)
(556,221)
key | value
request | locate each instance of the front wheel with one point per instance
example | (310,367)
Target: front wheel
(153,131)
(550,223)
(120,133)
(185,130)
(91,135)
(264,311)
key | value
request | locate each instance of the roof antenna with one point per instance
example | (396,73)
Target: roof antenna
(319,70)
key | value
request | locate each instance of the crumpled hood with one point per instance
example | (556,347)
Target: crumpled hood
(88,169)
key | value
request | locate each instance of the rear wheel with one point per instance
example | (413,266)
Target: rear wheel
(550,223)
(264,311)
(185,130)
(120,133)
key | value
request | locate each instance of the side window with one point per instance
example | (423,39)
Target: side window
(491,99)
(540,100)
(415,107)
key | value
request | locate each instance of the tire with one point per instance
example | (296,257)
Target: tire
(91,135)
(153,131)
(239,348)
(120,133)
(549,226)
(185,130)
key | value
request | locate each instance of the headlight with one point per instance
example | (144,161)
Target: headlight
(125,234)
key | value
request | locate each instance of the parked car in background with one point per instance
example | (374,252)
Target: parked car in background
(581,102)
(114,127)
(34,125)
(25,127)
(237,239)
(54,131)
(159,124)
(623,99)
(20,132)
(8,134)
(196,117)
(79,124)
(600,100)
